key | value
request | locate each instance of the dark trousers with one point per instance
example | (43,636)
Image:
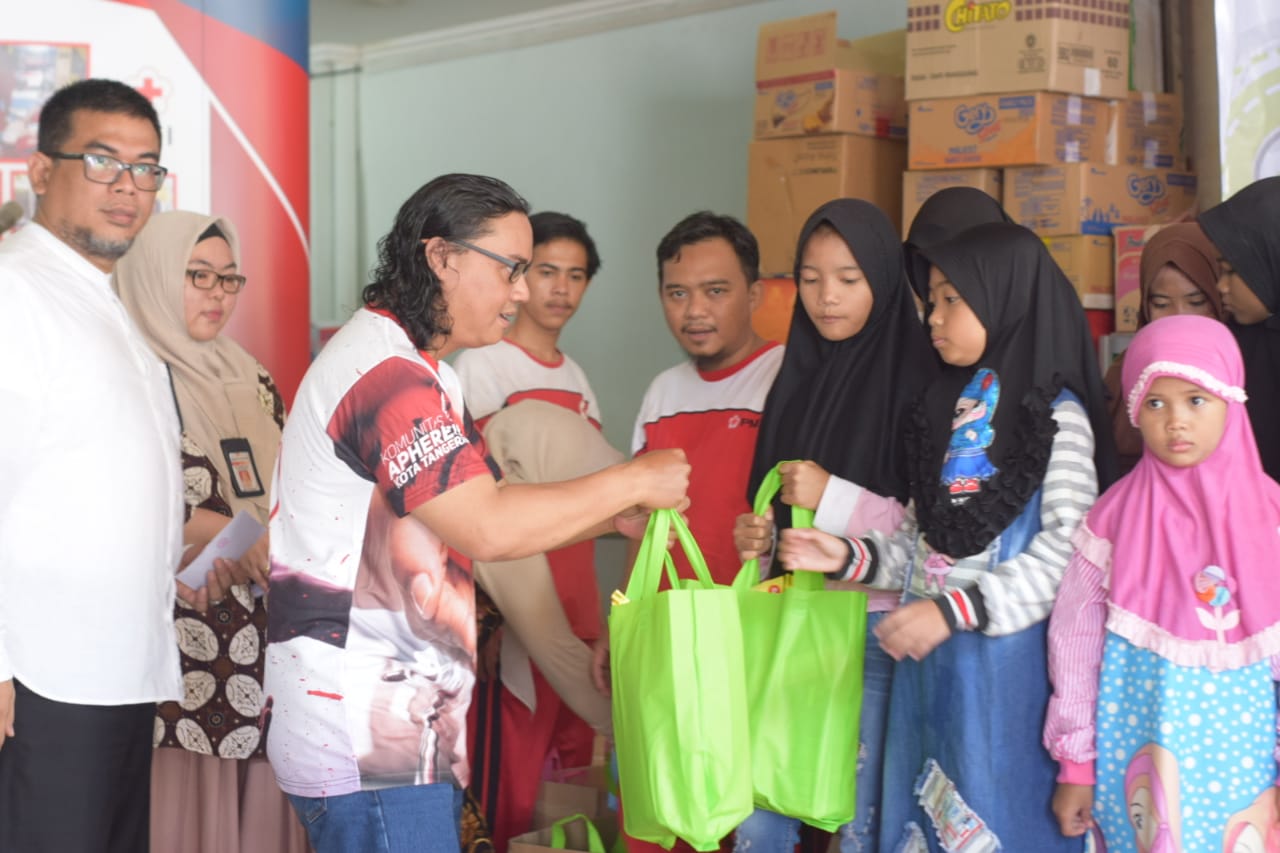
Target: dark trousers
(76,778)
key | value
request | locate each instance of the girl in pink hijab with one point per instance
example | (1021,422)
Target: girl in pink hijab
(1164,636)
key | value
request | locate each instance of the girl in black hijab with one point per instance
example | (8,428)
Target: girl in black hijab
(1005,454)
(856,355)
(1244,228)
(856,359)
(944,215)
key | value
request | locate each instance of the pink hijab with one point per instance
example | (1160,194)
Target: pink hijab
(1191,552)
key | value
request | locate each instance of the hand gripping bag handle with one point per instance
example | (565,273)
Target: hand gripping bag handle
(800,517)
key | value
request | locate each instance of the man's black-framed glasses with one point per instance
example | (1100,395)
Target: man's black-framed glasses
(518,268)
(206,279)
(105,169)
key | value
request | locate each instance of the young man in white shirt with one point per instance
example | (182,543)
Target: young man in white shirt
(383,493)
(91,501)
(527,364)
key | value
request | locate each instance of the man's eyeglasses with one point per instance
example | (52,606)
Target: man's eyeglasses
(102,169)
(206,279)
(517,268)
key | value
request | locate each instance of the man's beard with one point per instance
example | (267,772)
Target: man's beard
(97,247)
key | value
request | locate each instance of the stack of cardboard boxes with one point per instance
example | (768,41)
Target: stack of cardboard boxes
(830,122)
(1029,102)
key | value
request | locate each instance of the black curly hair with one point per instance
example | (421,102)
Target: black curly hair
(453,207)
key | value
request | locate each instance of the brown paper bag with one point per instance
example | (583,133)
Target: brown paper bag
(582,790)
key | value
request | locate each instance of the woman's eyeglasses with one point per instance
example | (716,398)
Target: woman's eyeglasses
(206,279)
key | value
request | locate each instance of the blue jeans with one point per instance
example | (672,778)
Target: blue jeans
(408,819)
(769,832)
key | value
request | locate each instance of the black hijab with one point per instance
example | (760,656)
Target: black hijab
(843,403)
(1245,230)
(1037,343)
(943,216)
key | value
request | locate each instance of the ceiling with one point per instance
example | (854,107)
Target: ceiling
(366,21)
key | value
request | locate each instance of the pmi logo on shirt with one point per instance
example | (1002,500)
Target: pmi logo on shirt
(972,119)
(736,421)
(427,443)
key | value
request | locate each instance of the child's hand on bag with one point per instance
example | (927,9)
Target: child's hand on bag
(753,534)
(803,483)
(809,549)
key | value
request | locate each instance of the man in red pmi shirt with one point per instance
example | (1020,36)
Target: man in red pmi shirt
(710,405)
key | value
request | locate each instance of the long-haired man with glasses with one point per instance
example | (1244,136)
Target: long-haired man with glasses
(90,490)
(383,494)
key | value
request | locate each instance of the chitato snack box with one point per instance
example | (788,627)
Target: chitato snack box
(974,47)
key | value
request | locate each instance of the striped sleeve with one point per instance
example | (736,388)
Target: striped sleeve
(1076,633)
(879,559)
(1020,592)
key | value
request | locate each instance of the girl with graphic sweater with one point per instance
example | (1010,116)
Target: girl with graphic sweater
(1005,451)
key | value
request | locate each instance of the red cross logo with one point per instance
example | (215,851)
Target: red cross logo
(150,89)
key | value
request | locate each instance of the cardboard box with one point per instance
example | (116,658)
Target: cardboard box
(810,81)
(1089,262)
(1129,243)
(583,790)
(918,186)
(1091,198)
(1146,131)
(971,47)
(788,179)
(1022,129)
(575,836)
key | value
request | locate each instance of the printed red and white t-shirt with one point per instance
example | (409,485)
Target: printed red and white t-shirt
(505,373)
(715,418)
(371,634)
(502,375)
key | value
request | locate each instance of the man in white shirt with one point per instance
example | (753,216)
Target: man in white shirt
(90,490)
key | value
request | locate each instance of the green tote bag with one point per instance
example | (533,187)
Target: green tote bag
(804,653)
(679,698)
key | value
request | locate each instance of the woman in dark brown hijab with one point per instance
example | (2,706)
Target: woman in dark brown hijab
(1179,273)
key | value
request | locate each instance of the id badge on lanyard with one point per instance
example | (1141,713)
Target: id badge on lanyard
(244,471)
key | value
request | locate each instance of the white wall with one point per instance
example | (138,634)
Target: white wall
(628,130)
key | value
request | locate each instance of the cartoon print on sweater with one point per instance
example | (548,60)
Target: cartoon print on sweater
(966,466)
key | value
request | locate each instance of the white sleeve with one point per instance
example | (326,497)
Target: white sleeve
(638,438)
(480,383)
